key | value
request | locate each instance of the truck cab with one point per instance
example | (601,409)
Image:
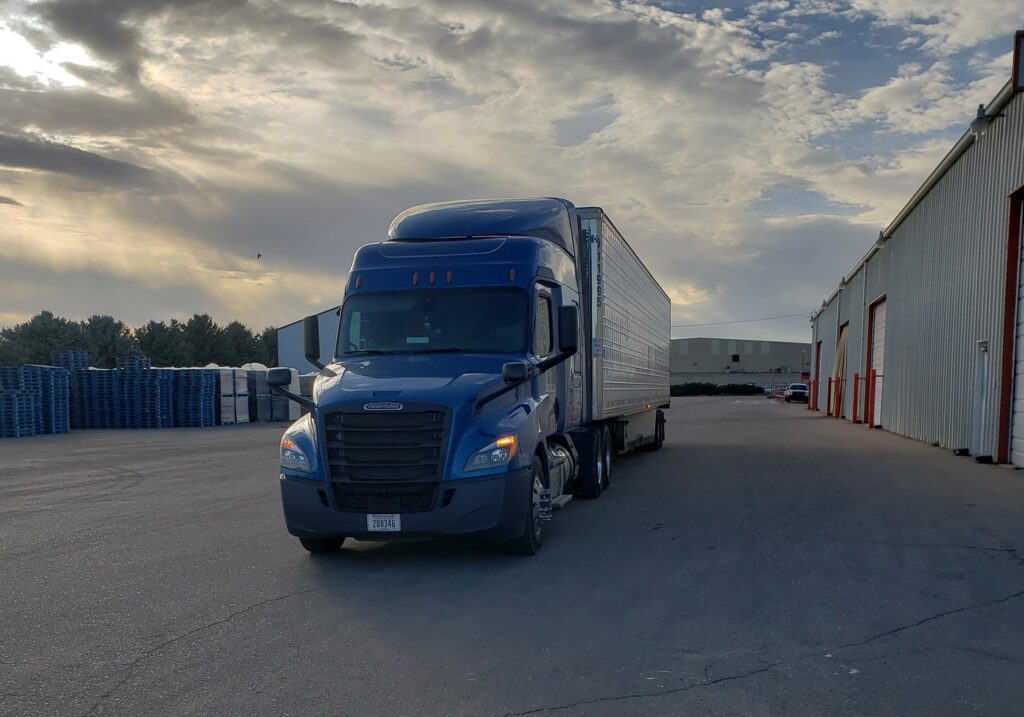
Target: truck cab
(455,401)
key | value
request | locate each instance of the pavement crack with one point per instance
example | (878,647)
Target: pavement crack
(1014,554)
(932,618)
(640,695)
(129,669)
(972,650)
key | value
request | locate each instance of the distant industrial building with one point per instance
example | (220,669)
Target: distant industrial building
(923,337)
(719,361)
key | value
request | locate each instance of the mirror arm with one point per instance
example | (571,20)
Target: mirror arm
(554,360)
(301,400)
(485,398)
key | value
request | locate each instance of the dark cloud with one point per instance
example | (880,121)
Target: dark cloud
(9,79)
(82,291)
(85,112)
(108,27)
(10,200)
(33,153)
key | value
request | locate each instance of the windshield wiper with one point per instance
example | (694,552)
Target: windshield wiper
(373,352)
(453,350)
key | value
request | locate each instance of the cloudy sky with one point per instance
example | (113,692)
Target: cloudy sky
(750,152)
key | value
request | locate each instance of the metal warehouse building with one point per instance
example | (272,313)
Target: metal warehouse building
(935,309)
(720,361)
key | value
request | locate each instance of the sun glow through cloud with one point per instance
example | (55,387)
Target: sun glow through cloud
(150,151)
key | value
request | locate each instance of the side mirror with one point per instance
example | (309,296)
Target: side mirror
(514,371)
(279,377)
(311,339)
(568,329)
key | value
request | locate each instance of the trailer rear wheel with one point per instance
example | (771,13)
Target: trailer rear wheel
(533,532)
(322,545)
(592,465)
(659,434)
(606,440)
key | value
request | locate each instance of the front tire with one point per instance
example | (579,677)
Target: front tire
(533,532)
(322,545)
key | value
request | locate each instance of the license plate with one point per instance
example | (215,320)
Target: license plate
(384,522)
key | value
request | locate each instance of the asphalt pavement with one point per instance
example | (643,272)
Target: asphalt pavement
(767,561)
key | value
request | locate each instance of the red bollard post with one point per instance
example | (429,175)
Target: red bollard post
(871,398)
(828,398)
(856,385)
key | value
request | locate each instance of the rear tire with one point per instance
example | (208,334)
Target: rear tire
(659,434)
(592,468)
(322,545)
(606,440)
(533,532)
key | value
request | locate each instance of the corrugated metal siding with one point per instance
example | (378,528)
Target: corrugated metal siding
(877,269)
(825,332)
(852,298)
(947,265)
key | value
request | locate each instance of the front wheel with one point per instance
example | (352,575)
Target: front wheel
(533,532)
(591,480)
(322,545)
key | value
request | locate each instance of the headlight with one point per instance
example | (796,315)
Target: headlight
(293,457)
(493,455)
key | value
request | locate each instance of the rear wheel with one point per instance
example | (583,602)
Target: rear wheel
(533,532)
(322,545)
(606,440)
(592,468)
(659,433)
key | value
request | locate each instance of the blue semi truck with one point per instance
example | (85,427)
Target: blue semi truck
(492,357)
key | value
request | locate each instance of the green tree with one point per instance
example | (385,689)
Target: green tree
(243,343)
(268,347)
(207,341)
(165,343)
(32,341)
(105,339)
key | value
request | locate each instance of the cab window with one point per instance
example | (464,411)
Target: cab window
(542,326)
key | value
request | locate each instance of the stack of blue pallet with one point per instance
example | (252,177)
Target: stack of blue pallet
(73,360)
(99,396)
(195,397)
(18,408)
(134,363)
(50,386)
(145,397)
(54,386)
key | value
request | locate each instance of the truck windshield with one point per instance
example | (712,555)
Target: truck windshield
(434,321)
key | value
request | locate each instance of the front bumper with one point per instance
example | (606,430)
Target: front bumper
(492,506)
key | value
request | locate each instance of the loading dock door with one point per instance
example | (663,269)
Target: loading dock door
(1017,422)
(878,355)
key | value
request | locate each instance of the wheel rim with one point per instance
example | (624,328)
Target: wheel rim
(599,455)
(607,457)
(537,526)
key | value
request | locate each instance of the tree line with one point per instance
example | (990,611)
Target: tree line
(196,342)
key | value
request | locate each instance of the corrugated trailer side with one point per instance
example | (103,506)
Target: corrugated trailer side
(629,317)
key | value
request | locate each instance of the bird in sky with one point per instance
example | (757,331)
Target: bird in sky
(259,255)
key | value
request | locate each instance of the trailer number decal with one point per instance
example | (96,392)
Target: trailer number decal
(383,406)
